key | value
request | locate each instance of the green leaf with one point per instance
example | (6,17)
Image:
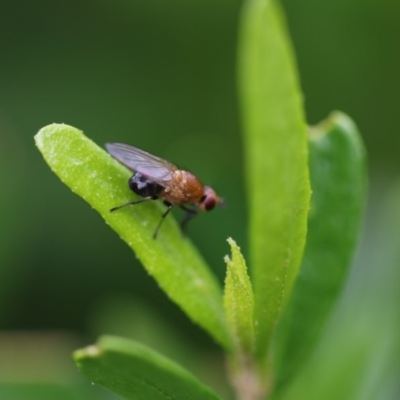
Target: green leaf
(171,259)
(276,159)
(136,372)
(358,357)
(238,300)
(338,180)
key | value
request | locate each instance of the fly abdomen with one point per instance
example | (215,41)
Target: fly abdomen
(144,187)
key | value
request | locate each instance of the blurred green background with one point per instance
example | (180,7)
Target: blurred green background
(159,75)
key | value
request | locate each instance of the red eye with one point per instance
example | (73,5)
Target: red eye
(209,203)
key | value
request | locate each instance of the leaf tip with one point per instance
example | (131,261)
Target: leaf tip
(233,244)
(52,131)
(91,351)
(228,261)
(48,131)
(231,241)
(343,120)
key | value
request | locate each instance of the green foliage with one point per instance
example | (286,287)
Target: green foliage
(276,159)
(358,357)
(238,300)
(136,372)
(338,179)
(172,260)
(244,321)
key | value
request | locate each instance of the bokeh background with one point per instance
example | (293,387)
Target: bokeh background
(159,75)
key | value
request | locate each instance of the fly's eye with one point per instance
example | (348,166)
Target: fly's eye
(209,203)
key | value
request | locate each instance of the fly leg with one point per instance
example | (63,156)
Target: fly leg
(130,203)
(169,205)
(190,214)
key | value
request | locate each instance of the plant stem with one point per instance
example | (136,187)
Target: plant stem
(246,380)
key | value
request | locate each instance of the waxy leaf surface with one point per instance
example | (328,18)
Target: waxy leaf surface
(238,300)
(338,180)
(135,372)
(171,259)
(275,138)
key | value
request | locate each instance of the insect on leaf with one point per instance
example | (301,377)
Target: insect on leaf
(173,262)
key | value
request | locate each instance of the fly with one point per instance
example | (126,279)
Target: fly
(155,178)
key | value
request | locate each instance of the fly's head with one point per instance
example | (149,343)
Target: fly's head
(209,200)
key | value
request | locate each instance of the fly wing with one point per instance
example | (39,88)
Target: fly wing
(138,160)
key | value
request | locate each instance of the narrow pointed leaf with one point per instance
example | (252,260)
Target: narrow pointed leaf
(275,138)
(134,371)
(338,179)
(358,357)
(238,300)
(171,259)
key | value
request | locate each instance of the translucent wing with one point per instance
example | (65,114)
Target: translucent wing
(137,160)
